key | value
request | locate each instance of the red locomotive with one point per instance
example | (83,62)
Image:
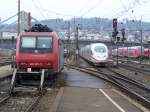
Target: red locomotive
(39,52)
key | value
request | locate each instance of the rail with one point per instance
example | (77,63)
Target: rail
(27,106)
(137,69)
(5,61)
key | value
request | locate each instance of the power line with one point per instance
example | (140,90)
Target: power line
(93,7)
(38,9)
(50,11)
(40,5)
(124,6)
(85,6)
(131,6)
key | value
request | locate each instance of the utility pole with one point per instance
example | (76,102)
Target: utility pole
(68,41)
(69,30)
(1,39)
(141,31)
(18,17)
(77,44)
(74,26)
(141,44)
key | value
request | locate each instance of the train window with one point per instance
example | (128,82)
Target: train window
(28,42)
(139,48)
(44,42)
(100,49)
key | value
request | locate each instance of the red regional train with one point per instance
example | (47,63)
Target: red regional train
(134,51)
(38,52)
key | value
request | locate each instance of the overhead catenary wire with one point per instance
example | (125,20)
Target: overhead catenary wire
(38,9)
(57,18)
(49,11)
(131,6)
(124,6)
(40,5)
(120,13)
(129,9)
(85,6)
(92,8)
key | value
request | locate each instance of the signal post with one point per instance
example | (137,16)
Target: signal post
(114,34)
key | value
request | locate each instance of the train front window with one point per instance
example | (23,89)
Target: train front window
(44,42)
(100,49)
(28,42)
(36,44)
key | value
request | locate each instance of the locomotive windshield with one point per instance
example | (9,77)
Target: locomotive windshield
(28,42)
(100,49)
(42,44)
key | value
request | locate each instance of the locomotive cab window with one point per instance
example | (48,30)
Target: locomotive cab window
(44,42)
(37,44)
(28,42)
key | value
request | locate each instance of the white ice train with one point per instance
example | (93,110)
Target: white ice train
(96,53)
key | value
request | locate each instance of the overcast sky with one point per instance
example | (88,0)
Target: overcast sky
(48,9)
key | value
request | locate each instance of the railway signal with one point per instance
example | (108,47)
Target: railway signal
(114,34)
(115,29)
(118,39)
(115,23)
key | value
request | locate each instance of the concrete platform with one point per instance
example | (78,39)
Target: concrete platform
(77,99)
(85,93)
(5,71)
(80,79)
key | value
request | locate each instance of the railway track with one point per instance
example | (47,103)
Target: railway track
(135,89)
(135,68)
(18,103)
(142,91)
(5,77)
(141,65)
(5,63)
(2,58)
